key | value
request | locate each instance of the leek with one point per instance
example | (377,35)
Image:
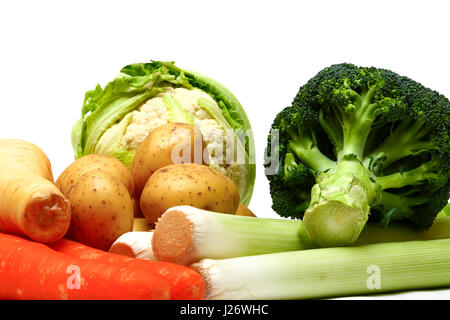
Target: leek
(185,235)
(329,272)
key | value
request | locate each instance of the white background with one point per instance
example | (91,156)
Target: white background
(51,52)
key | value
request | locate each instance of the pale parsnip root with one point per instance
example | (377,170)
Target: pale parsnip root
(30,204)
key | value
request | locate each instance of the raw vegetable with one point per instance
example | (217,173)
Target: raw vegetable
(185,235)
(136,244)
(168,144)
(188,184)
(30,204)
(357,141)
(244,211)
(70,176)
(30,270)
(102,209)
(329,272)
(185,283)
(117,118)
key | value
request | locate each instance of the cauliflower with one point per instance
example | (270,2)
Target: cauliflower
(115,119)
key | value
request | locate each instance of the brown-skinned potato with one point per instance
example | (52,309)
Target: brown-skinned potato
(170,143)
(244,211)
(102,209)
(188,184)
(69,177)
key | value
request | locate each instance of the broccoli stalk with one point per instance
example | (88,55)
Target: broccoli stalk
(374,142)
(339,207)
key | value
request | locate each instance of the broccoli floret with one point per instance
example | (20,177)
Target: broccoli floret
(289,203)
(296,174)
(365,143)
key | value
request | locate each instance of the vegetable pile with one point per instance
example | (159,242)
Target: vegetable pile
(358,167)
(151,140)
(93,206)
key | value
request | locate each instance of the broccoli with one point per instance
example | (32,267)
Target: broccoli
(356,144)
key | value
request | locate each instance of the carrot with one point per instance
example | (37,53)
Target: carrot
(30,270)
(185,283)
(30,204)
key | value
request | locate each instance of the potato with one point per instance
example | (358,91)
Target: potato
(102,209)
(244,211)
(171,143)
(79,167)
(188,184)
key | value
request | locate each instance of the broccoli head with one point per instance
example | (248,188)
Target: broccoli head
(356,144)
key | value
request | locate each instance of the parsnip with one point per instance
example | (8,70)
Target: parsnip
(30,204)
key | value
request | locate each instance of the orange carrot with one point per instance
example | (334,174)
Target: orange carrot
(185,283)
(30,270)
